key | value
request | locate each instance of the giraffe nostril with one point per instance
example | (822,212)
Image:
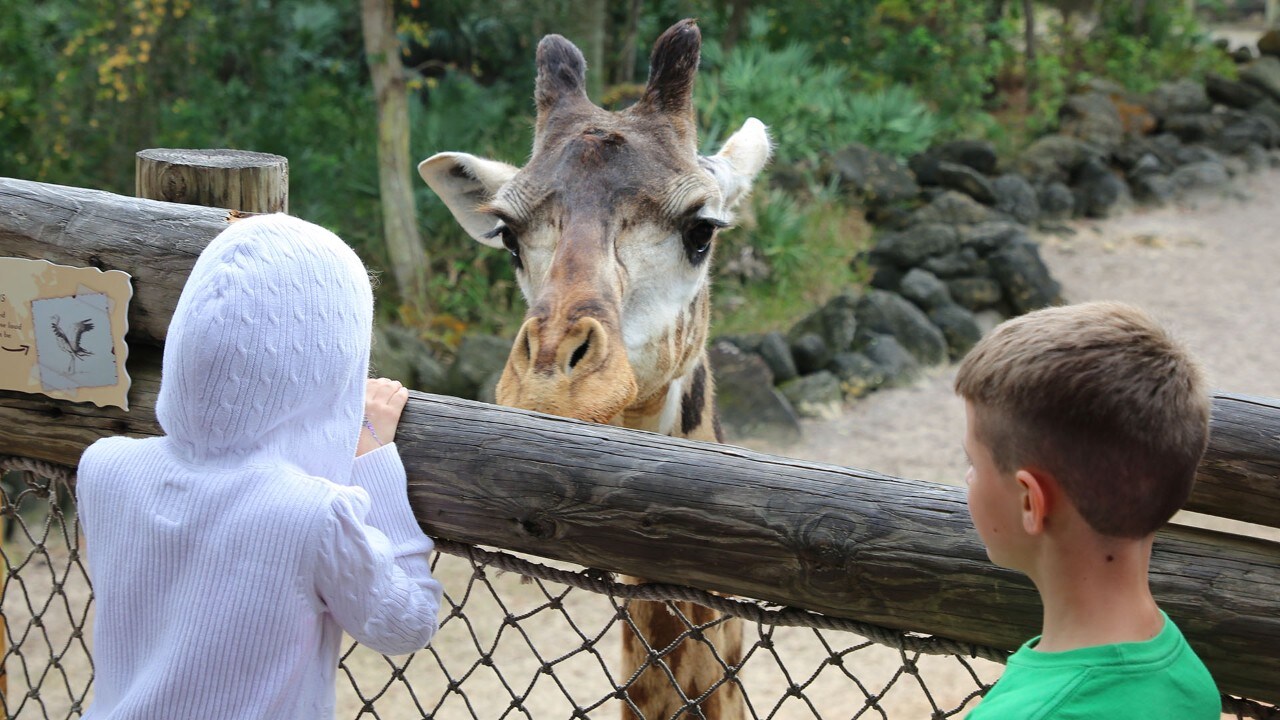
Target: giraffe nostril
(580,352)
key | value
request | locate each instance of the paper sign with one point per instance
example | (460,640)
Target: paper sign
(62,331)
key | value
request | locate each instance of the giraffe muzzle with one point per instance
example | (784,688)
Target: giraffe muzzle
(572,368)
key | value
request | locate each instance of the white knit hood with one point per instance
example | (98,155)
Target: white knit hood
(268,351)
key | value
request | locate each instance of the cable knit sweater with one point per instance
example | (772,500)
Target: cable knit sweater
(229,555)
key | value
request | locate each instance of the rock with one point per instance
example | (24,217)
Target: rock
(1055,158)
(1025,278)
(1236,167)
(925,167)
(834,322)
(975,293)
(748,404)
(958,326)
(897,364)
(815,396)
(988,237)
(398,353)
(1093,118)
(979,155)
(1264,74)
(810,353)
(1245,129)
(1256,157)
(1099,191)
(857,374)
(1200,176)
(1164,147)
(1147,165)
(1232,93)
(873,177)
(924,289)
(1178,98)
(749,343)
(1153,187)
(988,320)
(1016,197)
(1195,128)
(953,208)
(881,312)
(910,247)
(1269,43)
(966,180)
(1057,202)
(776,353)
(1268,108)
(886,276)
(1191,154)
(964,261)
(478,357)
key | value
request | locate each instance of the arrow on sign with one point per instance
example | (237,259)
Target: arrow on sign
(24,349)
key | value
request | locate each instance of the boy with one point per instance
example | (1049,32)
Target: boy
(229,554)
(1084,427)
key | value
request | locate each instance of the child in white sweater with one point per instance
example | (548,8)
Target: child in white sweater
(229,555)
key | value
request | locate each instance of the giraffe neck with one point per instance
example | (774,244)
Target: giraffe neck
(684,407)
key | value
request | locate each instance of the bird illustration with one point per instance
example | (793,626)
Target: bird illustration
(73,349)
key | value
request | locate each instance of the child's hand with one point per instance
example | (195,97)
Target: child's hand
(384,400)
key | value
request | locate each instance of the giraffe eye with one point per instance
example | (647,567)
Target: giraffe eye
(697,236)
(509,242)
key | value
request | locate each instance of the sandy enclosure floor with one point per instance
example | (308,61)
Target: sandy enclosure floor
(1206,268)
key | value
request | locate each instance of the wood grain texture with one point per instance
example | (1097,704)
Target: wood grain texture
(157,243)
(1239,477)
(234,179)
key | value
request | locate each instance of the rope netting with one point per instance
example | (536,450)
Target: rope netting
(519,638)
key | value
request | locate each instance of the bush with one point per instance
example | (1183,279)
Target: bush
(810,109)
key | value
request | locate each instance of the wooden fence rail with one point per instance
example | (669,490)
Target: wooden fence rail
(846,542)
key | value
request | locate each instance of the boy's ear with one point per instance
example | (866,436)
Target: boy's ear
(1036,493)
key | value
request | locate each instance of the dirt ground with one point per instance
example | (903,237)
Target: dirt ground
(1206,268)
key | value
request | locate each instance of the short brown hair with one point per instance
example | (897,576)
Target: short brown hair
(1100,396)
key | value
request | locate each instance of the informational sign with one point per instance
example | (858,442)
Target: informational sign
(62,331)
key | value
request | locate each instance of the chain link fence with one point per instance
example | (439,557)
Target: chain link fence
(519,638)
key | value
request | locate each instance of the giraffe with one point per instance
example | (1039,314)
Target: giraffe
(610,226)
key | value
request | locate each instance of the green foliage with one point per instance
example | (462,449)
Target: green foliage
(472,286)
(807,241)
(1141,51)
(810,109)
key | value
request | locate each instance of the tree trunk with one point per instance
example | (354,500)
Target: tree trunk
(1029,30)
(399,215)
(737,21)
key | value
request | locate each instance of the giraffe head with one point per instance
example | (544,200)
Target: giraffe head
(610,227)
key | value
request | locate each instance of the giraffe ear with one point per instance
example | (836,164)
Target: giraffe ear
(465,182)
(739,161)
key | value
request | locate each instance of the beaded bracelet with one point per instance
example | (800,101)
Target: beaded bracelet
(369,426)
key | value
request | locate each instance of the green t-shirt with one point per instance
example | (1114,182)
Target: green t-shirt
(1160,679)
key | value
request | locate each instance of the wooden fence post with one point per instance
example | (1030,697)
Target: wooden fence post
(234,179)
